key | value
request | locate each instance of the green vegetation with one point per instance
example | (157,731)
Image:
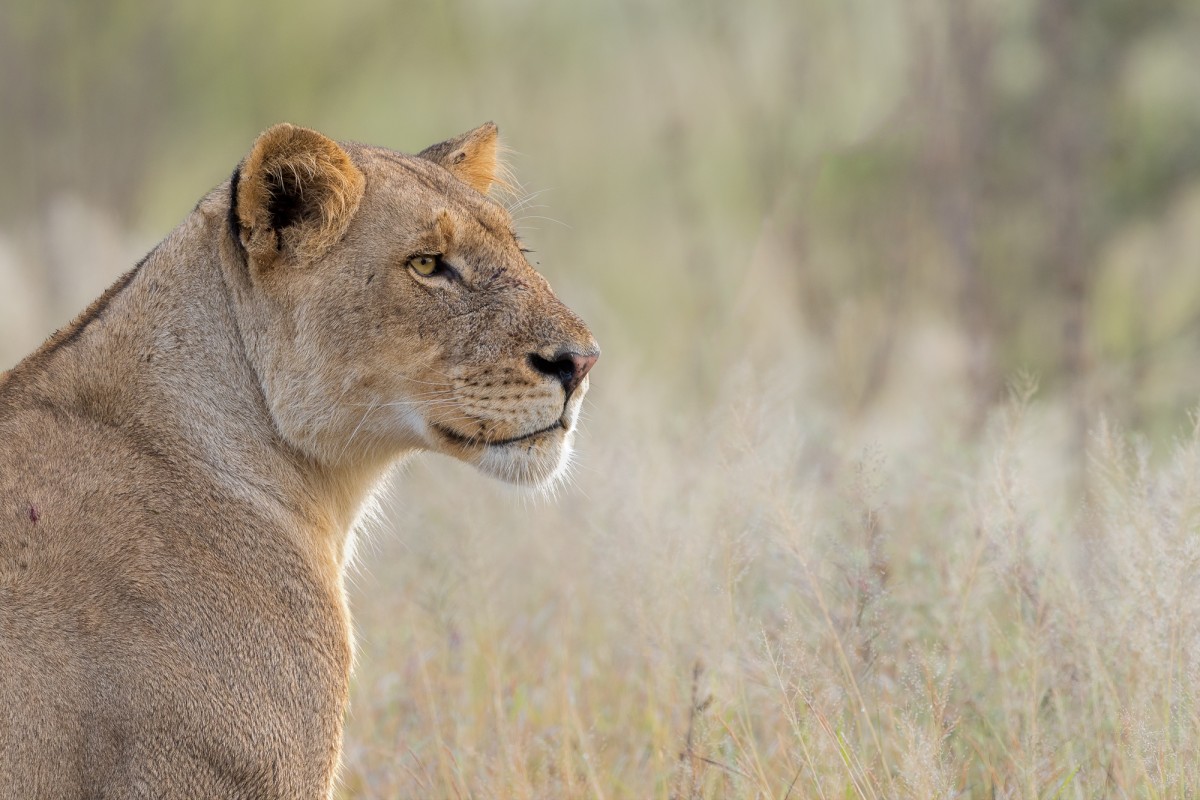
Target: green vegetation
(824,538)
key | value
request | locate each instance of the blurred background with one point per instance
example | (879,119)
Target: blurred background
(818,240)
(1013,184)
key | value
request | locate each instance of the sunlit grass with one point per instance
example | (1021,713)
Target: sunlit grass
(811,547)
(748,603)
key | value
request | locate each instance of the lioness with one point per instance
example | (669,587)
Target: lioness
(181,467)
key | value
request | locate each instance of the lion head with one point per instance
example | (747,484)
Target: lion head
(387,305)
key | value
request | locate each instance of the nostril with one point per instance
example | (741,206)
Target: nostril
(568,368)
(561,369)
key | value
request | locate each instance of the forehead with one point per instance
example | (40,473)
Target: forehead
(421,190)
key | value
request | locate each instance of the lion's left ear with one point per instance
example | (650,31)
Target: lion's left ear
(295,194)
(470,157)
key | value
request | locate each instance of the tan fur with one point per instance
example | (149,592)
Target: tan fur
(473,157)
(286,154)
(181,466)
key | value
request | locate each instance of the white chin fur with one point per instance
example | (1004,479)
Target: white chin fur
(541,465)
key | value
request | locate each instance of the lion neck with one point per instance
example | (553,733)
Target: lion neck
(162,354)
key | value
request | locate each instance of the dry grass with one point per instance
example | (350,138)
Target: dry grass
(753,588)
(810,550)
(760,597)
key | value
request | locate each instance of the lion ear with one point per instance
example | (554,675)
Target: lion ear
(295,194)
(471,157)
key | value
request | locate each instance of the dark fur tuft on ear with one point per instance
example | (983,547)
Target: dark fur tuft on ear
(297,192)
(235,224)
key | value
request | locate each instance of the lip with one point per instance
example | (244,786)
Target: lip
(473,441)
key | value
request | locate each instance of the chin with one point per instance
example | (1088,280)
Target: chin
(538,460)
(539,463)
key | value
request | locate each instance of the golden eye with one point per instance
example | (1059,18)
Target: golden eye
(425,265)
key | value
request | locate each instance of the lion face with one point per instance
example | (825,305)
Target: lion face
(389,306)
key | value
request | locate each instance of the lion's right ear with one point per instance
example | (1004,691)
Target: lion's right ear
(294,195)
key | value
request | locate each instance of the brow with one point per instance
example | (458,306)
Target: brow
(428,241)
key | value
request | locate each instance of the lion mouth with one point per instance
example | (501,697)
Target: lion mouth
(474,441)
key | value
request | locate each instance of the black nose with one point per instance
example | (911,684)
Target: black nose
(567,368)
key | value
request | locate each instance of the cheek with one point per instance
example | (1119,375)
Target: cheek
(400,338)
(409,308)
(489,336)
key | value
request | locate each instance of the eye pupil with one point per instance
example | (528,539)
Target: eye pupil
(425,265)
